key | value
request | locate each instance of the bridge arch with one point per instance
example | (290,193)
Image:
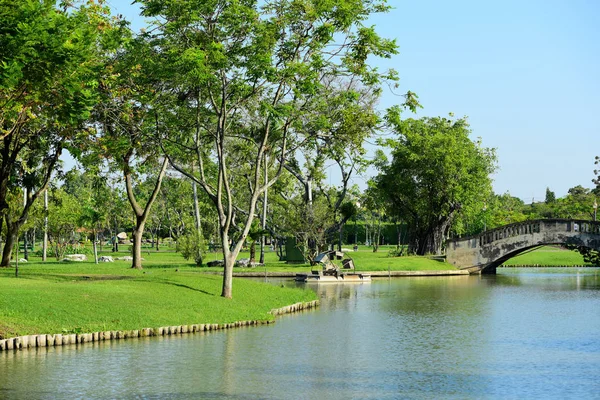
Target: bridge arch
(483,253)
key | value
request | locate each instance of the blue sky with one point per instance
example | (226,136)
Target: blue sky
(526,73)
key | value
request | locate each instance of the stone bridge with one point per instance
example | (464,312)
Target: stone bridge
(483,253)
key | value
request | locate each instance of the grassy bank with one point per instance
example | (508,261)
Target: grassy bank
(548,256)
(366,260)
(59,297)
(73,298)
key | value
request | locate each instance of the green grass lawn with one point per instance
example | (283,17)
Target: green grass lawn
(548,256)
(364,259)
(57,297)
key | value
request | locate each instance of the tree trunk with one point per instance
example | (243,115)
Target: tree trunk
(376,235)
(198,258)
(431,240)
(137,244)
(141,214)
(227,291)
(439,235)
(17,257)
(263,241)
(95,239)
(229,256)
(252,252)
(229,262)
(116,239)
(25,254)
(25,244)
(11,238)
(264,216)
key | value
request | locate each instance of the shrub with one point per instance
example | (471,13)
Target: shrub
(191,246)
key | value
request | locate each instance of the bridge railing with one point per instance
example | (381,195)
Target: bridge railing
(531,227)
(586,226)
(507,231)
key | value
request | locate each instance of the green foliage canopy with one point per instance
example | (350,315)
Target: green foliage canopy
(50,59)
(435,172)
(242,74)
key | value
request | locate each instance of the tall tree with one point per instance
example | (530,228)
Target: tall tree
(49,60)
(589,255)
(93,195)
(435,171)
(342,118)
(577,204)
(127,130)
(244,72)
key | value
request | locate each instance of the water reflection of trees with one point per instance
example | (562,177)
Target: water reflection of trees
(431,295)
(344,296)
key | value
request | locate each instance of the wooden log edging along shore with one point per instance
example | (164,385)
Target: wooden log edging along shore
(294,308)
(58,339)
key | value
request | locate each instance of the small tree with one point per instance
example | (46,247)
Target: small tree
(254,235)
(550,196)
(189,245)
(63,220)
(374,204)
(596,180)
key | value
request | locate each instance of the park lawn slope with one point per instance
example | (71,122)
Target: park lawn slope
(72,303)
(367,260)
(548,256)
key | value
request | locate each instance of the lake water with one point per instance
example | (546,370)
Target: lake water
(524,333)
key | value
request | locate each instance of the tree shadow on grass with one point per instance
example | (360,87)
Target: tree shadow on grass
(60,277)
(179,285)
